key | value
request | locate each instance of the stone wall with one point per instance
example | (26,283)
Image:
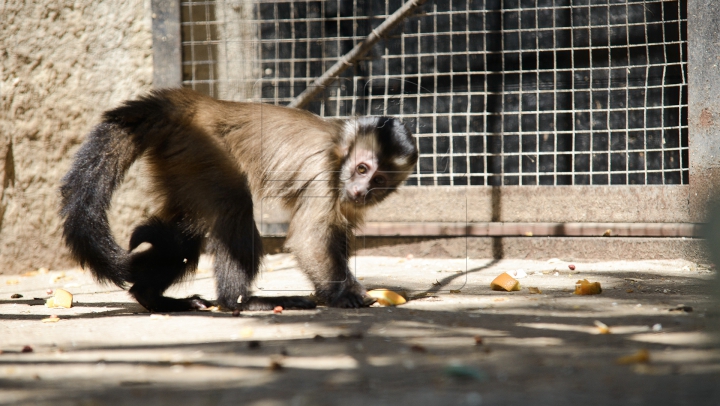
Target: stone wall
(62,62)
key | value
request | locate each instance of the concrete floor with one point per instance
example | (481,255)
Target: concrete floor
(456,343)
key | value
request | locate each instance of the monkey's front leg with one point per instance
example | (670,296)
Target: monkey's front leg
(238,251)
(322,253)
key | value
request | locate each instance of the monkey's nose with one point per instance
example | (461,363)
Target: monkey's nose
(358,197)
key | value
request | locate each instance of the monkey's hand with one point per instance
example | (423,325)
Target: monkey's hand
(352,296)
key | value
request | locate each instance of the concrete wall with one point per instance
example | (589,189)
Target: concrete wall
(62,62)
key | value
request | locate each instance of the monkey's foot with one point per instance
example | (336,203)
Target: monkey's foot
(270,302)
(159,303)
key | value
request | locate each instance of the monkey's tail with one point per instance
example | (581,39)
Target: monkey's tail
(99,168)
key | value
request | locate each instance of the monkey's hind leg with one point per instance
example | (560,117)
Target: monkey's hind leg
(238,253)
(174,253)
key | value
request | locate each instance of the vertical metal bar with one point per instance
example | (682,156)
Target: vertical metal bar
(166,43)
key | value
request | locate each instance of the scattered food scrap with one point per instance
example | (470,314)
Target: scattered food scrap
(455,291)
(12,282)
(572,267)
(640,357)
(62,298)
(56,277)
(16,296)
(607,233)
(505,282)
(27,348)
(602,327)
(52,319)
(584,287)
(478,340)
(517,273)
(386,297)
(278,310)
(534,290)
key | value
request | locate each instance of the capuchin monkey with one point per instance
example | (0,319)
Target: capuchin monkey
(207,159)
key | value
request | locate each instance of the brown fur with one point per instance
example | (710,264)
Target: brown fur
(208,158)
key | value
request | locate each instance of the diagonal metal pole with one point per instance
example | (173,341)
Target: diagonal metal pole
(356,53)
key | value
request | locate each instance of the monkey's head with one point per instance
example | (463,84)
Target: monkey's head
(382,155)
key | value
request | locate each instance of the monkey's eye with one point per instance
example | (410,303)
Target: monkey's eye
(380,180)
(362,169)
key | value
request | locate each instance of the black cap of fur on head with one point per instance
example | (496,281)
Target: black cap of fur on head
(395,140)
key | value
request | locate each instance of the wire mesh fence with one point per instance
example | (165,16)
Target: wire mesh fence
(498,92)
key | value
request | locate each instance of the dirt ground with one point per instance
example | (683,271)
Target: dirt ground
(456,342)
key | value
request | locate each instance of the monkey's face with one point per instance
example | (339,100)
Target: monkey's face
(365,183)
(381,157)
(361,175)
